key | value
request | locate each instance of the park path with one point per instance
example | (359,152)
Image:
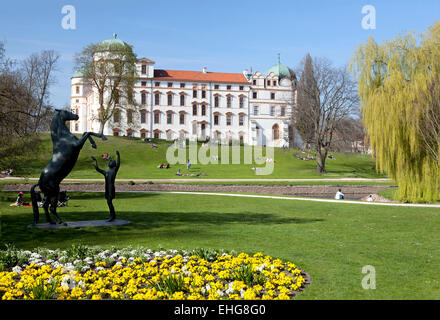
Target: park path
(392,204)
(214,180)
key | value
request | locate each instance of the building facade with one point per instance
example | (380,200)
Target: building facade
(254,108)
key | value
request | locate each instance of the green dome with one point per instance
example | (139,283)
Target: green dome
(281,71)
(78,74)
(107,44)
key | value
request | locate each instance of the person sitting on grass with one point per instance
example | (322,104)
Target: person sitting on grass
(19,202)
(339,195)
(110,177)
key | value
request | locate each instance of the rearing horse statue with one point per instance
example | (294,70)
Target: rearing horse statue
(66,148)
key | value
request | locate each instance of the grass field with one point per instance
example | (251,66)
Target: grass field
(140,161)
(332,242)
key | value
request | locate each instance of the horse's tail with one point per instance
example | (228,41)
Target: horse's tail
(35,204)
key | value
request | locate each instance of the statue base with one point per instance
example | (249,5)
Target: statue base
(80,224)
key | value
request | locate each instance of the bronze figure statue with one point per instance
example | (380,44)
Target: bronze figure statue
(66,148)
(110,176)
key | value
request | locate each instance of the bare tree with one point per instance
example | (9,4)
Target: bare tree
(24,103)
(326,97)
(38,76)
(111,70)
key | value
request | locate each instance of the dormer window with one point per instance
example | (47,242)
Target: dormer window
(144,69)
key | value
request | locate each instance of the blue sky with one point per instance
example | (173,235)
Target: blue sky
(224,36)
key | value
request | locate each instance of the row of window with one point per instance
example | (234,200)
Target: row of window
(272,111)
(182,134)
(269,83)
(157,134)
(169,117)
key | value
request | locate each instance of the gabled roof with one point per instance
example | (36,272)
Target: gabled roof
(199,76)
(146,60)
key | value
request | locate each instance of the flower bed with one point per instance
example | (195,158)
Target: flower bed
(90,273)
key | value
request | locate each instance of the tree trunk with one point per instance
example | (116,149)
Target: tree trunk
(320,160)
(101,127)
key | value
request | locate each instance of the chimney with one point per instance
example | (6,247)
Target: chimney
(204,70)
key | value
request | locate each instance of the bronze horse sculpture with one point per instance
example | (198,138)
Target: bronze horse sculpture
(66,148)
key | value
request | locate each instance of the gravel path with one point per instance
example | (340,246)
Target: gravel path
(317,191)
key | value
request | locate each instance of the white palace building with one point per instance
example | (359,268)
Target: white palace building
(253,108)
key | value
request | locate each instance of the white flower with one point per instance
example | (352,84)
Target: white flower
(99,268)
(17,269)
(220,293)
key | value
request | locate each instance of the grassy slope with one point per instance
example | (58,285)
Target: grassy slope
(332,242)
(140,161)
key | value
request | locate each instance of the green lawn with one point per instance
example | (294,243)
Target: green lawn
(331,241)
(140,161)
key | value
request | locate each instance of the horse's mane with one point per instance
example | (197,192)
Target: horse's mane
(58,128)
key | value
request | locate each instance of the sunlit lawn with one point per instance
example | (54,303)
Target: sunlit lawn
(332,242)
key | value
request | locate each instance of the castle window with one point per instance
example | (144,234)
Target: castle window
(255,110)
(274,82)
(182,99)
(182,118)
(216,116)
(241,120)
(116,116)
(169,118)
(254,95)
(268,82)
(228,120)
(144,69)
(216,86)
(194,109)
(143,83)
(241,102)
(216,101)
(272,95)
(157,99)
(228,87)
(77,90)
(143,116)
(170,99)
(276,132)
(182,85)
(129,116)
(203,110)
(241,87)
(157,117)
(157,84)
(194,93)
(254,82)
(203,94)
(283,111)
(229,102)
(170,84)
(143,98)
(272,111)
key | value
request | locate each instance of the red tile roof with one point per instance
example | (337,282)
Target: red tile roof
(199,76)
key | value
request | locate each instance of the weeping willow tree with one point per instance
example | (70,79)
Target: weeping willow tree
(398,83)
